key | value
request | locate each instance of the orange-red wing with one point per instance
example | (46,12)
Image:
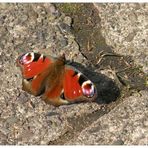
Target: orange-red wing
(72,88)
(35,68)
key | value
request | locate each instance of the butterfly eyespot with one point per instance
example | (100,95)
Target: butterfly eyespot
(88,89)
(26,58)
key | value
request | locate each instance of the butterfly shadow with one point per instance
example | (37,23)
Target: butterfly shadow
(107,89)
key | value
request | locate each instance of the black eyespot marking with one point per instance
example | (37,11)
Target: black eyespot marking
(82,79)
(36,57)
(62,96)
(75,73)
(29,79)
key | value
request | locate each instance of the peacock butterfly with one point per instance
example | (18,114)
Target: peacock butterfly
(51,77)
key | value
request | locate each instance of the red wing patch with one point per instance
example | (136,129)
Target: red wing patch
(32,64)
(72,88)
(35,68)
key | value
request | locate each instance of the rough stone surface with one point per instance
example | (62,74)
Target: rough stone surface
(126,124)
(125,28)
(24,119)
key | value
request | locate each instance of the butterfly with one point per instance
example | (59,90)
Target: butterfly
(57,82)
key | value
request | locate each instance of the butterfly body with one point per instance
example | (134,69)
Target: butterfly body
(58,83)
